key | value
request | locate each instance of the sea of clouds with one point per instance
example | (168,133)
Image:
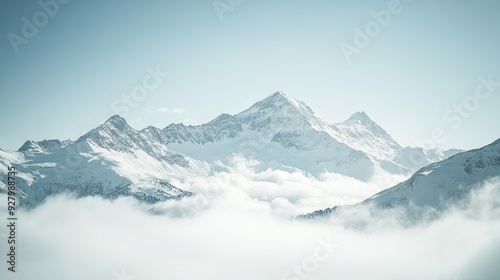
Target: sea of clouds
(239,227)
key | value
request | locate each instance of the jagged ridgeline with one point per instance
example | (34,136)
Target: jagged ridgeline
(280,132)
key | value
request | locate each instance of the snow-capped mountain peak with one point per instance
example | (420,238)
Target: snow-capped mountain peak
(361,127)
(280,98)
(277,101)
(359,118)
(113,134)
(281,113)
(117,121)
(44,146)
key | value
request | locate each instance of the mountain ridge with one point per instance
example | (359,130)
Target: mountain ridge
(277,131)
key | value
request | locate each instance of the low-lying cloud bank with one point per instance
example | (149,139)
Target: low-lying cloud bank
(238,228)
(286,194)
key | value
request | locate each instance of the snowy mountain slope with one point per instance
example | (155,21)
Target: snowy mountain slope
(110,161)
(436,185)
(285,131)
(442,182)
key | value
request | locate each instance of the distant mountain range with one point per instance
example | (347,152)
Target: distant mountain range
(280,132)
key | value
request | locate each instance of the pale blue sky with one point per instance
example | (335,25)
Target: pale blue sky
(65,80)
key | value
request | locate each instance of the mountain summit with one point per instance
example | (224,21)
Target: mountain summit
(276,99)
(359,118)
(279,112)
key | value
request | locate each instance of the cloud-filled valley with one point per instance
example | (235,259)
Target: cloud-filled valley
(239,227)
